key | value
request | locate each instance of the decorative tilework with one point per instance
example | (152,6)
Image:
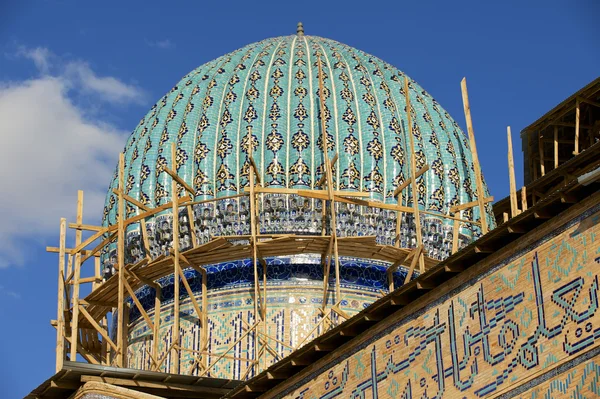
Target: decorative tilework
(527,315)
(271,89)
(293,308)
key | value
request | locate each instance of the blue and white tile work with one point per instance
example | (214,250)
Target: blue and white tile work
(270,89)
(265,97)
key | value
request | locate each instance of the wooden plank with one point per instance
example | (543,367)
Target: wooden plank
(132,200)
(477,167)
(417,255)
(541,150)
(175,212)
(121,350)
(322,179)
(514,208)
(256,174)
(60,318)
(468,205)
(413,168)
(156,332)
(174,176)
(139,306)
(98,328)
(87,227)
(77,274)
(523,199)
(577,117)
(408,181)
(555,147)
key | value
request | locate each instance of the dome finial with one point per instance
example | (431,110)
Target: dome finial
(300,29)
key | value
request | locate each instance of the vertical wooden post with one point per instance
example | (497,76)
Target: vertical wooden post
(175,211)
(97,273)
(524,198)
(156,332)
(121,337)
(257,314)
(455,233)
(477,167)
(104,352)
(204,332)
(413,172)
(76,276)
(541,150)
(577,115)
(329,182)
(514,207)
(555,147)
(60,317)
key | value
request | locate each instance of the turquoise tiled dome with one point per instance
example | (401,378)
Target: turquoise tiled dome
(271,88)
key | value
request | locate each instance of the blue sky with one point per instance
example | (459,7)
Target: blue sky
(76,77)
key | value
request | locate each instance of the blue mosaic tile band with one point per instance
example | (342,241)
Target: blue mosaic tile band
(299,270)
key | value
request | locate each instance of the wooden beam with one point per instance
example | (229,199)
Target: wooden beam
(60,319)
(408,181)
(132,200)
(514,207)
(253,164)
(77,274)
(320,194)
(175,177)
(329,181)
(175,211)
(98,328)
(87,227)
(416,256)
(541,150)
(577,115)
(139,305)
(322,179)
(476,166)
(523,199)
(121,352)
(590,102)
(468,205)
(555,147)
(413,170)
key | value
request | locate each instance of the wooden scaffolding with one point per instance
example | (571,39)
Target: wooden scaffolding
(82,322)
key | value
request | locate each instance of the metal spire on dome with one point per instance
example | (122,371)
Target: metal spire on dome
(300,29)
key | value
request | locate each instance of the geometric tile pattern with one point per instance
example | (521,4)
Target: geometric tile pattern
(271,89)
(292,312)
(527,315)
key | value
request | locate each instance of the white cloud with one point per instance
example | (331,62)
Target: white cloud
(12,294)
(162,44)
(50,148)
(107,87)
(39,55)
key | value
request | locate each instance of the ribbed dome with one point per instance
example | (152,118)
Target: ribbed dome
(272,88)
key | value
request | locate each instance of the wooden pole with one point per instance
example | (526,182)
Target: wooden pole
(330,187)
(77,275)
(514,208)
(555,147)
(477,167)
(121,354)
(60,317)
(524,198)
(413,170)
(156,332)
(577,115)
(175,211)
(254,246)
(541,150)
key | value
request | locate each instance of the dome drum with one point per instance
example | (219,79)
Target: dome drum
(284,214)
